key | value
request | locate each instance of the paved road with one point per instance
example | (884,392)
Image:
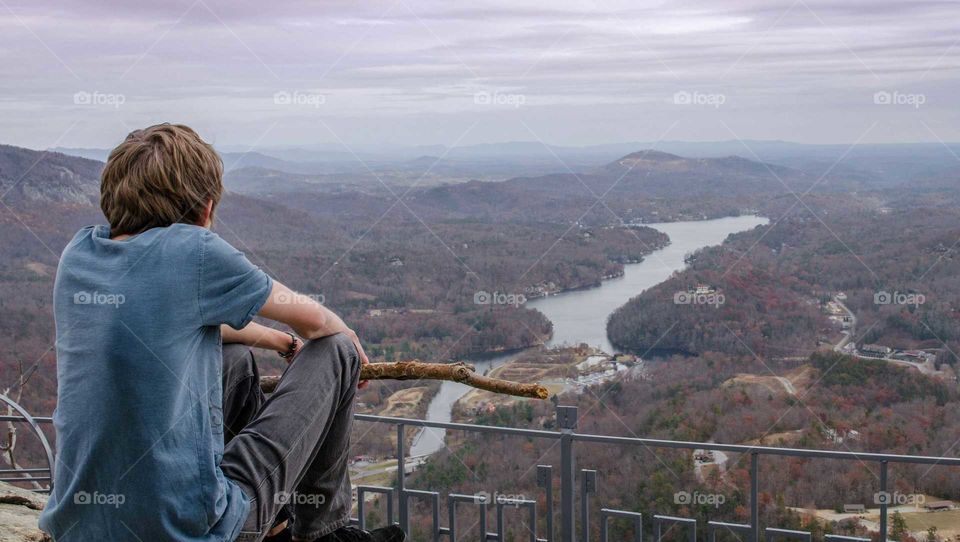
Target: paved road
(412,464)
(787,385)
(848,334)
(927,368)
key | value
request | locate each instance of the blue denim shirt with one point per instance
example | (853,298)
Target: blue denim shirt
(138,418)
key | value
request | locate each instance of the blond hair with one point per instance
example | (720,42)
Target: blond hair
(159,176)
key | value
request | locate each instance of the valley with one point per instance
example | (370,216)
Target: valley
(731,326)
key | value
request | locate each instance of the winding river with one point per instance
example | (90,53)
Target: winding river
(580,316)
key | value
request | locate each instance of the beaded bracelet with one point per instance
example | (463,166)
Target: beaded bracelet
(294,342)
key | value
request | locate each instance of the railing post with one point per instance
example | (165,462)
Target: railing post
(401,475)
(884,500)
(545,480)
(567,421)
(588,487)
(755,496)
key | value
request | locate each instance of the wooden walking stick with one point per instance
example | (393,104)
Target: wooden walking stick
(417,370)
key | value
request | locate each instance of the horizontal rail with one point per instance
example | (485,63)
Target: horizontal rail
(772,533)
(413,422)
(24,471)
(842,538)
(765,450)
(653,443)
(680,444)
(38,419)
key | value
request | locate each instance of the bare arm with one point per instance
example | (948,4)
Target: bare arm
(306,317)
(257,335)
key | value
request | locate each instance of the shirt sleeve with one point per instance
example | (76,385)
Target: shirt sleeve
(232,290)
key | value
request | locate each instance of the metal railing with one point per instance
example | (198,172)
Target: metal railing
(568,437)
(566,417)
(21,474)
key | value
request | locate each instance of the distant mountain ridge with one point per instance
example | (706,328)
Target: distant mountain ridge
(633,181)
(642,177)
(889,162)
(634,186)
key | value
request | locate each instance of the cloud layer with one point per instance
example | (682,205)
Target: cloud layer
(399,72)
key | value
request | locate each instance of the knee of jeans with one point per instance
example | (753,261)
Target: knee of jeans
(339,345)
(238,362)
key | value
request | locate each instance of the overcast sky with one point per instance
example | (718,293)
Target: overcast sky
(255,73)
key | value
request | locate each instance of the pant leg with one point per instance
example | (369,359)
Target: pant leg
(294,450)
(242,397)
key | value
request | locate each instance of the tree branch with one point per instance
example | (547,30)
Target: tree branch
(417,370)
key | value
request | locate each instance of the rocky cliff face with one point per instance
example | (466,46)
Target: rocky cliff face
(49,177)
(19,511)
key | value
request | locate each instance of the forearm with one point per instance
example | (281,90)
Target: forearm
(256,335)
(309,319)
(331,325)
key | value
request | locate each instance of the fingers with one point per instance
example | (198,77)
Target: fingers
(363,359)
(297,349)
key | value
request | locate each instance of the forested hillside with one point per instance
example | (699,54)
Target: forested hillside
(412,286)
(776,279)
(840,403)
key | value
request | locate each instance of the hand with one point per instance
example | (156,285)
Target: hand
(259,336)
(363,355)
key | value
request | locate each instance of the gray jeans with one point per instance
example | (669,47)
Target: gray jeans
(288,452)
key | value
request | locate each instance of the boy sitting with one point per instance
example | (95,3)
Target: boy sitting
(162,432)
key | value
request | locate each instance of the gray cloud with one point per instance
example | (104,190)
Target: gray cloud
(424,72)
